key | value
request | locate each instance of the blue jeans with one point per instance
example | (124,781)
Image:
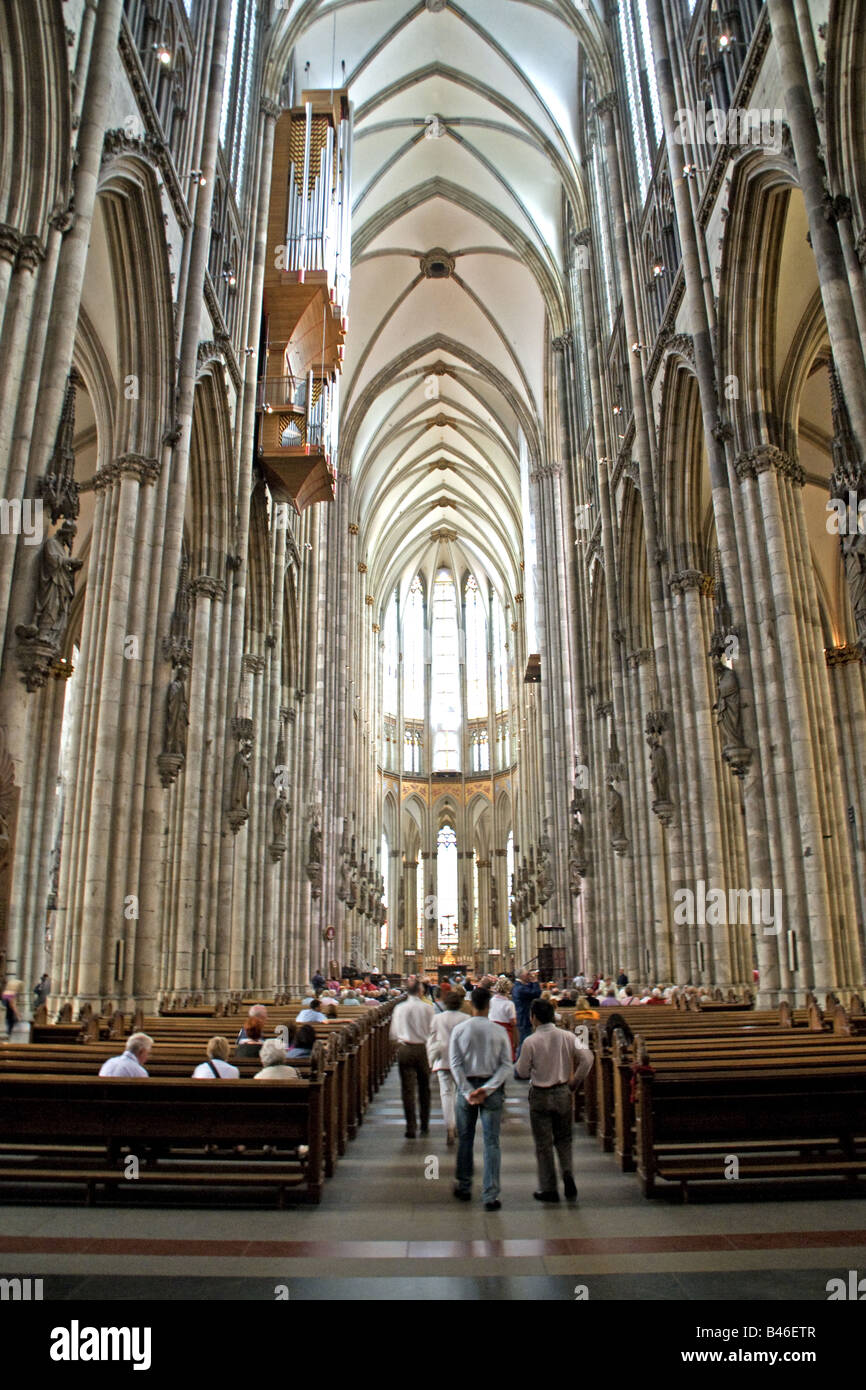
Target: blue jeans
(491,1120)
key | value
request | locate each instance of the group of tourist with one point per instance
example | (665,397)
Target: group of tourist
(603,991)
(251,1042)
(469,1044)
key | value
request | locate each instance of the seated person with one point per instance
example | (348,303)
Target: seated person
(302,1043)
(131,1062)
(217,1064)
(252,1043)
(313,1014)
(329,1009)
(274,1067)
(609,1000)
(258,1011)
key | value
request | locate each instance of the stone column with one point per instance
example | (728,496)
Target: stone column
(832,276)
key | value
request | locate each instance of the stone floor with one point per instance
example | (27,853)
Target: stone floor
(389,1229)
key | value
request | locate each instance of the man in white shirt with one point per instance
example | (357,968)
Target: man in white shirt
(131,1062)
(555,1064)
(480,1062)
(313,1014)
(411,1022)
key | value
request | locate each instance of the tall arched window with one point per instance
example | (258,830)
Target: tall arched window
(386,865)
(476,653)
(420,903)
(237,92)
(500,658)
(391,660)
(446,887)
(643,100)
(413,653)
(445,676)
(509,868)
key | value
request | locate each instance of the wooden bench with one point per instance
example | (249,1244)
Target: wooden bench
(780,1121)
(171,1125)
(628,1060)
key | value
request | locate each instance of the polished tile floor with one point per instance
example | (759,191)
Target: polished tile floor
(389,1229)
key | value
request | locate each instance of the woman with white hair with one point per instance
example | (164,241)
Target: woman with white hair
(274,1064)
(438,1043)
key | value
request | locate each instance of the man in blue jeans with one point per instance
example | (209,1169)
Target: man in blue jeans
(523,991)
(480,1062)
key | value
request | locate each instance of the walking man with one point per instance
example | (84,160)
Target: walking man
(480,1057)
(555,1065)
(410,1026)
(523,991)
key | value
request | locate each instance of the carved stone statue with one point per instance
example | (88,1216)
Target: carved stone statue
(176,715)
(854,555)
(532,897)
(494,902)
(343,885)
(728,713)
(280,819)
(240,787)
(315,849)
(659,775)
(615,814)
(55,588)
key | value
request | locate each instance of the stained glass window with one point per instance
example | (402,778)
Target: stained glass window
(391,660)
(476,653)
(643,101)
(446,886)
(445,675)
(413,653)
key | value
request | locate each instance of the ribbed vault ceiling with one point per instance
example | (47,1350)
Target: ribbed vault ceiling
(465,143)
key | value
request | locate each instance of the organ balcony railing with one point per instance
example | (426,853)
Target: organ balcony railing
(297,437)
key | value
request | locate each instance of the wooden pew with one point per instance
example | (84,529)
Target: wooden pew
(172,1123)
(781,1120)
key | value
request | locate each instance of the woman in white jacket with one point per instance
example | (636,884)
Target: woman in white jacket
(438,1043)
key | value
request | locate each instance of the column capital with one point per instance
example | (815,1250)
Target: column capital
(253,664)
(753,462)
(639,658)
(30,252)
(545,470)
(687,579)
(137,466)
(271,109)
(841,656)
(606,105)
(208,585)
(10,242)
(583,237)
(563,342)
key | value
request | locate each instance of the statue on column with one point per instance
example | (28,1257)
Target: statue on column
(314,853)
(239,793)
(576,844)
(176,715)
(656,723)
(494,900)
(41,640)
(279,826)
(616,819)
(56,585)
